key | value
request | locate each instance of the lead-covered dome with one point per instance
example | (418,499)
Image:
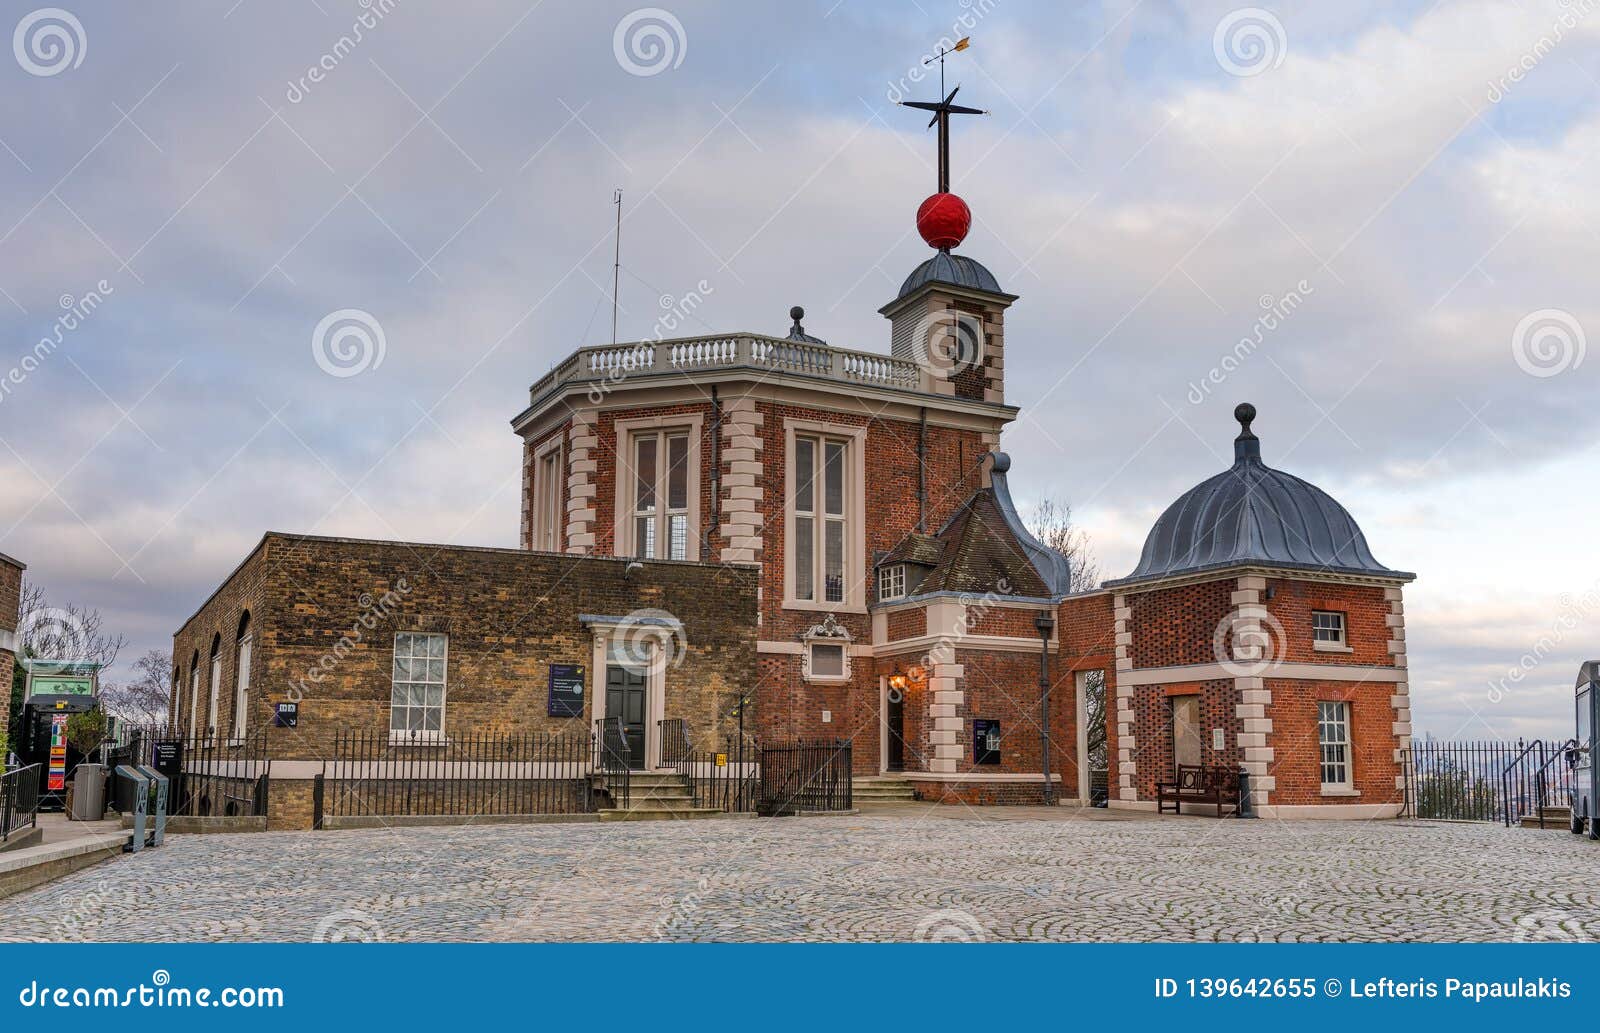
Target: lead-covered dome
(1253,515)
(958,270)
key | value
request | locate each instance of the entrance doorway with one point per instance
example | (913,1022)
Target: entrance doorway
(894,730)
(1186,745)
(626,699)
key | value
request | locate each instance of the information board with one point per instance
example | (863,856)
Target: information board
(566,690)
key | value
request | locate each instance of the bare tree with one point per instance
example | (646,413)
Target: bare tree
(70,632)
(142,700)
(1052,525)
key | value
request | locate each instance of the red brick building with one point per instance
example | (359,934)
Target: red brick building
(10,604)
(896,598)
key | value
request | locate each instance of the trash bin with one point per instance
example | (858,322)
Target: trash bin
(88,800)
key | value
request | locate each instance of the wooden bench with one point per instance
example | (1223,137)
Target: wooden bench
(1216,786)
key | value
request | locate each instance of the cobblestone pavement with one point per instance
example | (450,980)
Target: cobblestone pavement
(866,877)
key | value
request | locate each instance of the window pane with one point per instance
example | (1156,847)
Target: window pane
(804,558)
(833,478)
(397,719)
(644,466)
(833,556)
(678,537)
(436,671)
(678,471)
(436,645)
(413,720)
(430,720)
(644,534)
(805,463)
(827,661)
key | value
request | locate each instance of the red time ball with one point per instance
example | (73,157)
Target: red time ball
(943,221)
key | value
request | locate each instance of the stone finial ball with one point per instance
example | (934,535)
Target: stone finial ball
(943,221)
(1245,413)
(797,313)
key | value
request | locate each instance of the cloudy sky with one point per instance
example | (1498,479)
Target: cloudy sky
(1155,179)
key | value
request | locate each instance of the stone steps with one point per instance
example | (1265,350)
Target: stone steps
(1554,818)
(658,796)
(885,790)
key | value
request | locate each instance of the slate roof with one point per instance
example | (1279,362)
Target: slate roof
(985,547)
(1253,515)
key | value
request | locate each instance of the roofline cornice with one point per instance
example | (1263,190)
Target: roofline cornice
(1122,586)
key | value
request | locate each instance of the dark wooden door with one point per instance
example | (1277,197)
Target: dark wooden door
(895,730)
(625,698)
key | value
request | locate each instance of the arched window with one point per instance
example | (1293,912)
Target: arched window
(241,689)
(194,694)
(216,683)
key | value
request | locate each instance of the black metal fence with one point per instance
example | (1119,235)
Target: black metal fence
(723,779)
(19,800)
(1492,780)
(466,776)
(214,777)
(805,777)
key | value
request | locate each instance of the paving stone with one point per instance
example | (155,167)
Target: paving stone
(937,874)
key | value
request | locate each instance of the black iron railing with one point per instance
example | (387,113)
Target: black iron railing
(210,776)
(724,779)
(1491,780)
(19,800)
(368,773)
(611,760)
(805,777)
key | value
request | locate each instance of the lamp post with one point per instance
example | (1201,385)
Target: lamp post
(1046,623)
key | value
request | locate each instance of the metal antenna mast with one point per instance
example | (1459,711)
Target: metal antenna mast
(616,266)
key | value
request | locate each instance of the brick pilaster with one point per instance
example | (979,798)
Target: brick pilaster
(1127,744)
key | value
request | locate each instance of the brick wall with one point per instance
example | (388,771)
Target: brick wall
(509,614)
(1153,729)
(1297,760)
(10,604)
(907,623)
(1173,626)
(218,622)
(1364,608)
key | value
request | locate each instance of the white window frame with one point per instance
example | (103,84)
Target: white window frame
(854,439)
(216,688)
(665,426)
(1333,719)
(421,736)
(1330,645)
(827,633)
(891,582)
(194,695)
(241,690)
(548,491)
